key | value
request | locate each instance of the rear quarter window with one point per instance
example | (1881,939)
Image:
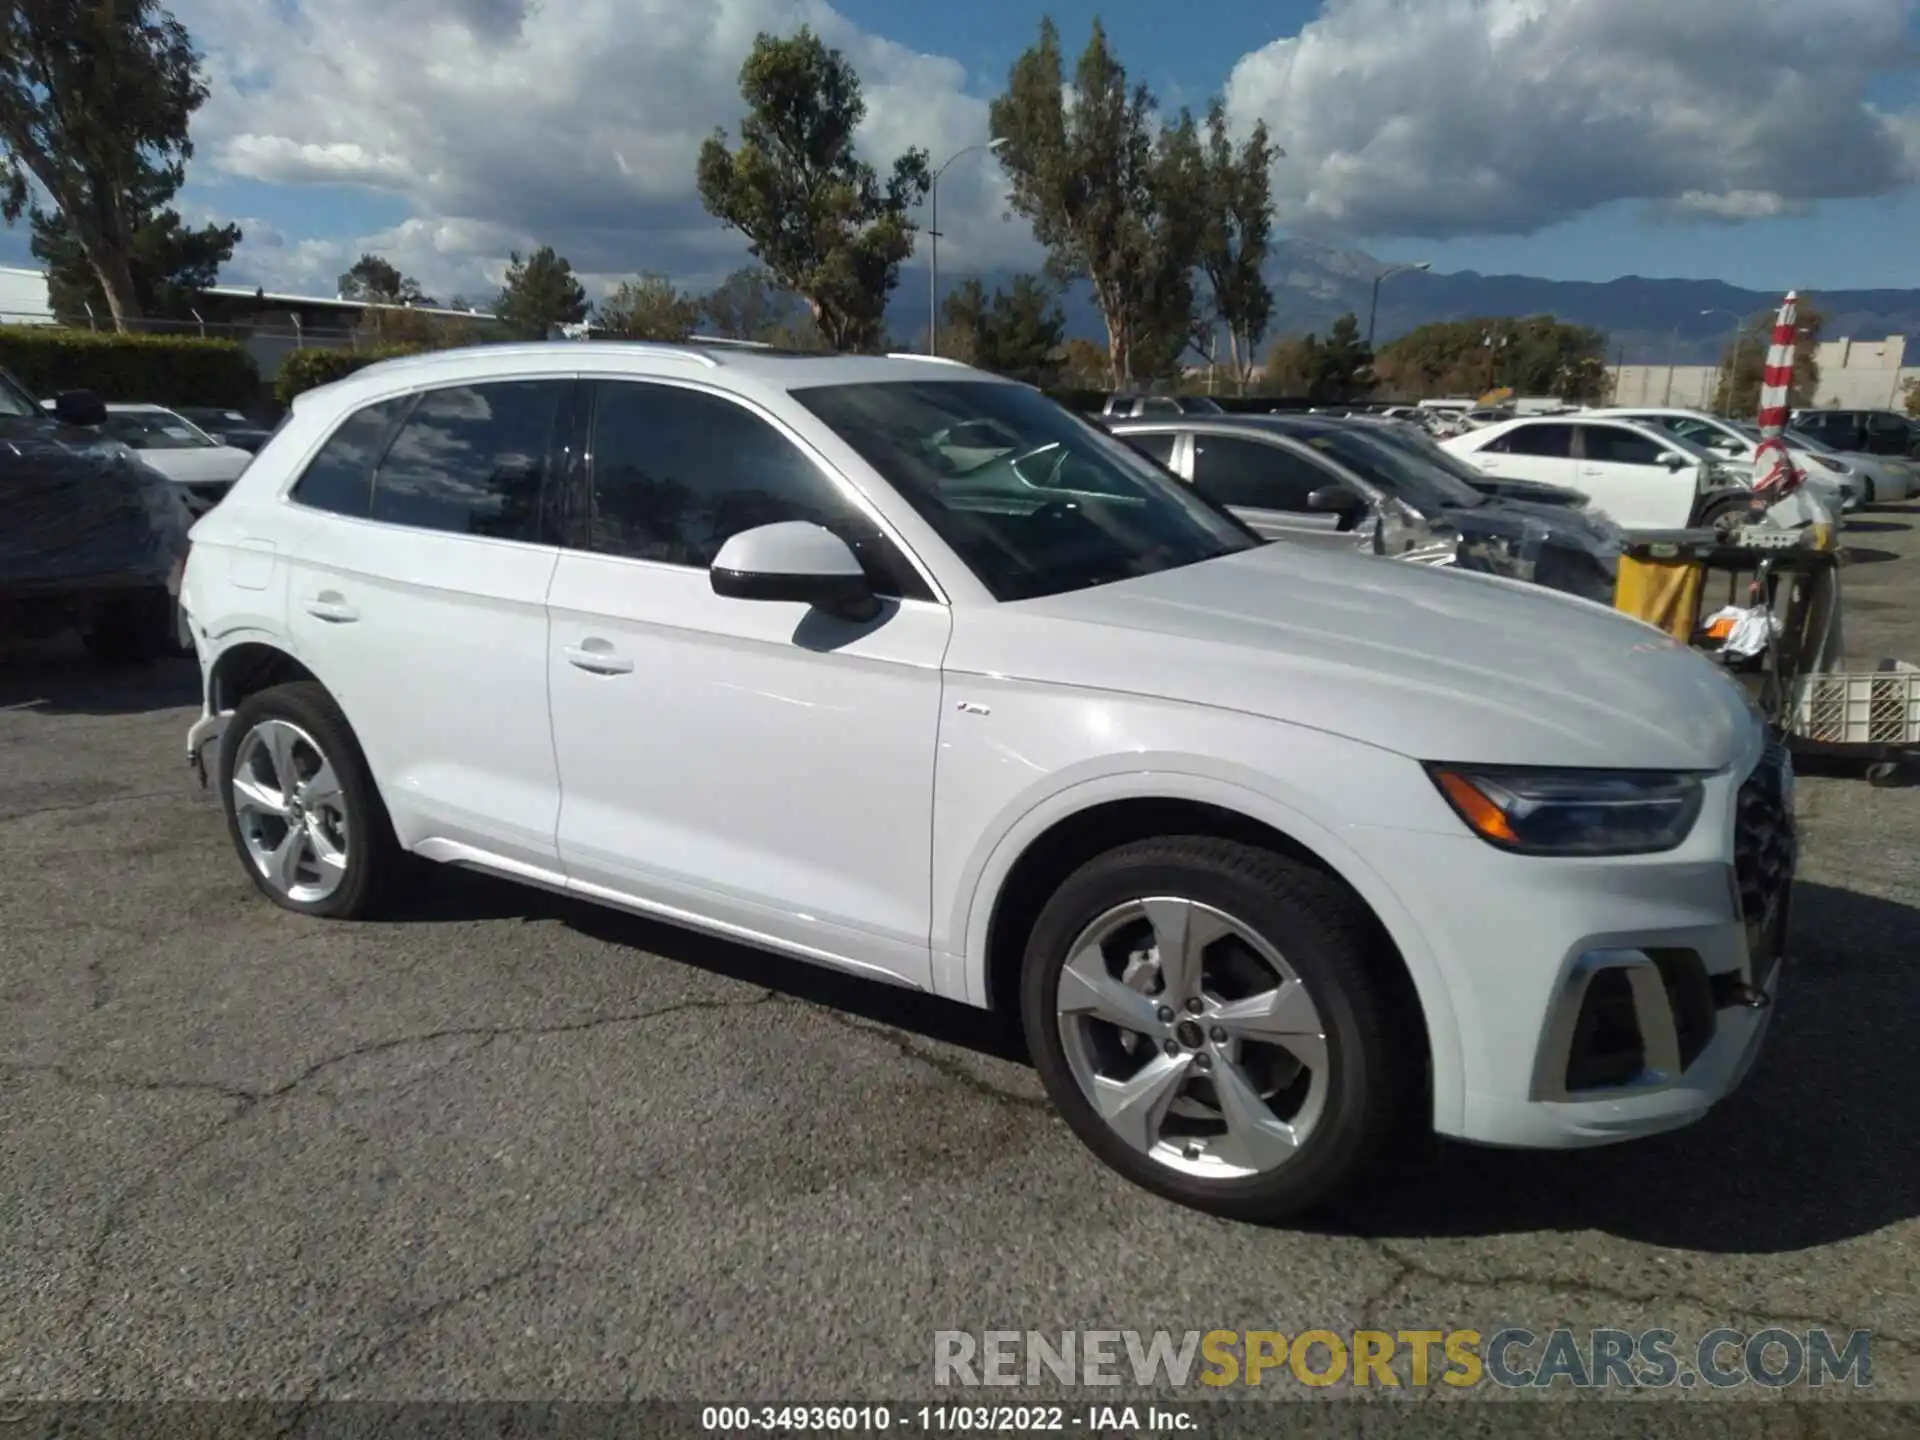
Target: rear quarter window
(339,479)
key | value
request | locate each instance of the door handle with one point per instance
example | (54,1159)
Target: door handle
(1591,470)
(329,606)
(597,658)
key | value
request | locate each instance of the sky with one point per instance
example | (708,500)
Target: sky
(1770,143)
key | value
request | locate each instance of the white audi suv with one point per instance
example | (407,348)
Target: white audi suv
(890,665)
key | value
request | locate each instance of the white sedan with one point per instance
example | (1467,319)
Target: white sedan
(202,467)
(1846,482)
(1644,477)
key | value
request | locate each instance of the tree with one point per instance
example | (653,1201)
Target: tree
(650,308)
(1112,203)
(1235,239)
(747,304)
(170,262)
(1535,356)
(375,280)
(95,101)
(1085,365)
(1910,397)
(1346,363)
(1743,366)
(540,292)
(1012,333)
(814,213)
(1336,370)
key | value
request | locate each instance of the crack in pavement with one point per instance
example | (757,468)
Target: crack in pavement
(1409,1268)
(73,807)
(399,1331)
(246,1101)
(950,1069)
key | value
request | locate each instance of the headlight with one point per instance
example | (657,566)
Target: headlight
(1824,463)
(1573,812)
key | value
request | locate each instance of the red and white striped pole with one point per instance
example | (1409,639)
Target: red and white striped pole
(1774,475)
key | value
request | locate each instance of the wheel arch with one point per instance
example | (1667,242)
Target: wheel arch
(1089,819)
(248,667)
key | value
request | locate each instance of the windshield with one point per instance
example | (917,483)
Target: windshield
(1201,405)
(155,430)
(1033,499)
(1422,445)
(1400,472)
(15,402)
(1800,440)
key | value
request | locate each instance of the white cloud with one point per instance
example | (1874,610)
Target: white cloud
(1440,118)
(507,124)
(504,124)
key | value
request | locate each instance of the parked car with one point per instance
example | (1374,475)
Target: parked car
(728,638)
(1128,407)
(94,538)
(1885,479)
(1341,484)
(202,467)
(1644,477)
(1863,432)
(1738,445)
(1418,439)
(229,427)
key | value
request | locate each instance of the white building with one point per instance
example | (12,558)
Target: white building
(1854,375)
(23,297)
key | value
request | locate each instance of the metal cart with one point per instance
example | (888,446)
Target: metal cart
(1678,580)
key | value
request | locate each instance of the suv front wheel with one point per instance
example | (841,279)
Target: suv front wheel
(301,804)
(1216,1022)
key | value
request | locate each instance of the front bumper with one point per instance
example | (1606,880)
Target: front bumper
(1602,1000)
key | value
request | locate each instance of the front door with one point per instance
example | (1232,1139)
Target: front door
(1620,468)
(419,553)
(758,764)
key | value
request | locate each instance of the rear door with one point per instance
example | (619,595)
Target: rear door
(1539,450)
(1266,484)
(1620,468)
(420,543)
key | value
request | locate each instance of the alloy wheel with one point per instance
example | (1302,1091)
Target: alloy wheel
(291,811)
(1193,1038)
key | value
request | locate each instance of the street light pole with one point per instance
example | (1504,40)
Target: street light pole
(933,243)
(1673,359)
(1373,311)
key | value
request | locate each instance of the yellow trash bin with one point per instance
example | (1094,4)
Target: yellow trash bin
(1665,593)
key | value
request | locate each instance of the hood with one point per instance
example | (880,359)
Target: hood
(1532,491)
(197,467)
(1435,664)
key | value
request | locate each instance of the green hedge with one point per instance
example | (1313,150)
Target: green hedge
(159,369)
(307,369)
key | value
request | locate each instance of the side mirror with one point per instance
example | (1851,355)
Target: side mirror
(1335,500)
(79,407)
(1675,461)
(794,561)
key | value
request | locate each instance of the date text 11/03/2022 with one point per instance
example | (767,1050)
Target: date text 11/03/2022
(945,1419)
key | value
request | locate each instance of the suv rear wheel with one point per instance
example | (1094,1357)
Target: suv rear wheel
(1216,1022)
(301,804)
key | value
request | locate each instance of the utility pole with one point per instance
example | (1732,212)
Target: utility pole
(933,243)
(1373,311)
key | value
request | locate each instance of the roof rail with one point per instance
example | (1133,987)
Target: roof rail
(662,348)
(930,359)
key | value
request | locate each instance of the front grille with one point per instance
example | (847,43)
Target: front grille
(1765,853)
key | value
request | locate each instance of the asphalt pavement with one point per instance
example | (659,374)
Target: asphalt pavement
(509,1146)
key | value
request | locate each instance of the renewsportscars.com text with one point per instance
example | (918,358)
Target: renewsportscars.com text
(1511,1358)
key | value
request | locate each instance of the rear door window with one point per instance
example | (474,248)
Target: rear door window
(1552,442)
(474,460)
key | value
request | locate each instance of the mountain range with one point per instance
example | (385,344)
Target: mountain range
(1647,322)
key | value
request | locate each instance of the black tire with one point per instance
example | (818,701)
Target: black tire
(1375,1051)
(1868,495)
(374,857)
(132,629)
(1711,516)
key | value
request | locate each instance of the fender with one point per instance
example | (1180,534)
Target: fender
(964,977)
